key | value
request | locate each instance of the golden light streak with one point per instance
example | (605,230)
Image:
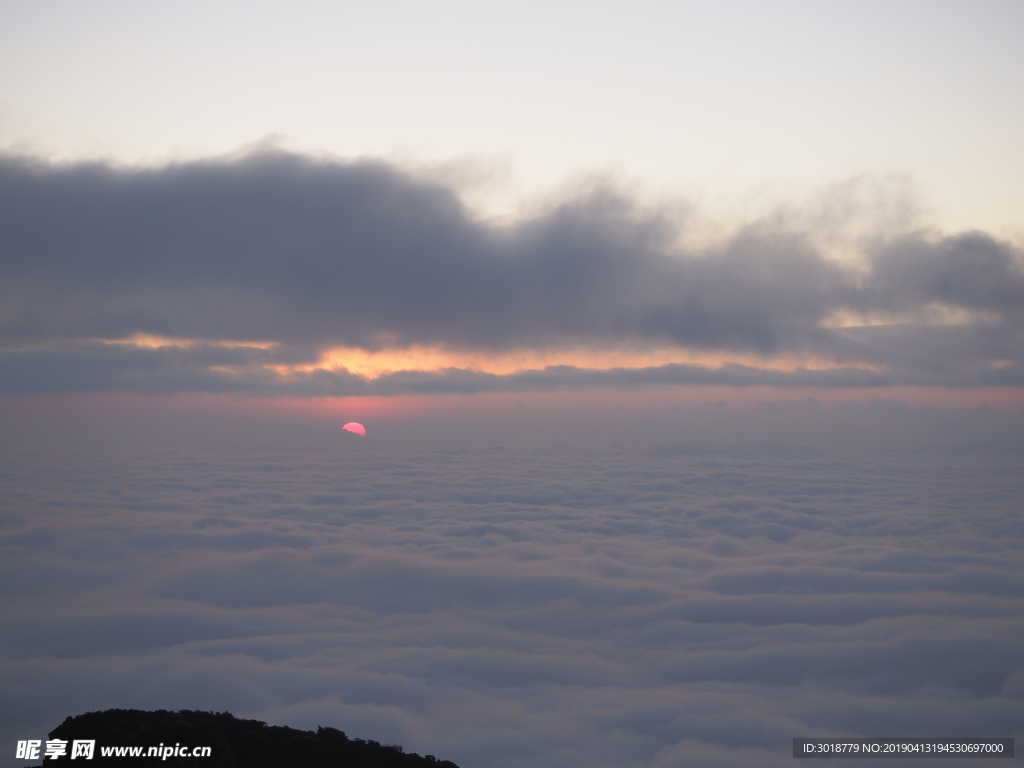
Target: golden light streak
(420,358)
(373,364)
(152,341)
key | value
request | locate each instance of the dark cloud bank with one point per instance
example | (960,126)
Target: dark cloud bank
(667,604)
(313,254)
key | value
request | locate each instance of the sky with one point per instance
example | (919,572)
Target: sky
(688,339)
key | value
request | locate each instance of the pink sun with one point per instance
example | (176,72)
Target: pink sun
(355,426)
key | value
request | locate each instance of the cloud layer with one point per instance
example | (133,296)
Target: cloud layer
(297,256)
(677,604)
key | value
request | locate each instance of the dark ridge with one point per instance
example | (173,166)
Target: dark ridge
(233,743)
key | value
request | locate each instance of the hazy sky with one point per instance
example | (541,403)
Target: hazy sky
(737,104)
(689,340)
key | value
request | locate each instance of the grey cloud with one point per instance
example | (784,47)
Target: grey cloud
(971,271)
(309,254)
(91,367)
(825,580)
(114,633)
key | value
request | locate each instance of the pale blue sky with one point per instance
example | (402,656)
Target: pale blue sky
(735,104)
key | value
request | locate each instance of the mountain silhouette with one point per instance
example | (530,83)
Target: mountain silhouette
(233,743)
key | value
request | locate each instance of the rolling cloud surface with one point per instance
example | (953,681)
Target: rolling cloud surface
(678,604)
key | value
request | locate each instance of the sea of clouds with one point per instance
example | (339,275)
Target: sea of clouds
(591,603)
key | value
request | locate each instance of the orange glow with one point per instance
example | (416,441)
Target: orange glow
(373,364)
(489,404)
(418,358)
(151,341)
(377,408)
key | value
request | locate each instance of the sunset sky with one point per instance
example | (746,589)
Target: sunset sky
(339,199)
(652,311)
